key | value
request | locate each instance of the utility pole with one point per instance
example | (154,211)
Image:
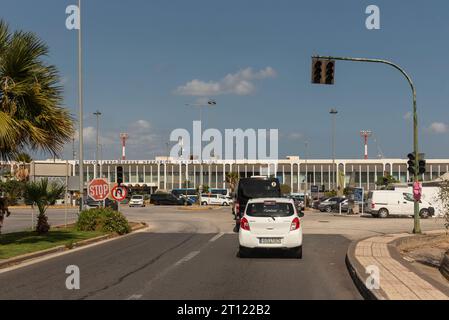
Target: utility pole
(417,222)
(333,113)
(80,98)
(97,114)
(365,134)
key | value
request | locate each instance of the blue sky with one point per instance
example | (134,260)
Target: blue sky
(142,56)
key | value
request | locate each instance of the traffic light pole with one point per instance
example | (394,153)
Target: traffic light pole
(417,223)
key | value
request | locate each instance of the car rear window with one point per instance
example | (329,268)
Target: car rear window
(270,209)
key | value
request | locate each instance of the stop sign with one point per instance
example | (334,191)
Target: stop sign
(98,189)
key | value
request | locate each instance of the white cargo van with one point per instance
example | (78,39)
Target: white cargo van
(385,203)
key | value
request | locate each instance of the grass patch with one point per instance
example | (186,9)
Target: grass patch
(18,243)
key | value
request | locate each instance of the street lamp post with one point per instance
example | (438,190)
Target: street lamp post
(97,114)
(333,112)
(80,100)
(210,103)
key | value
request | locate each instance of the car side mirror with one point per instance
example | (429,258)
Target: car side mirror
(301,214)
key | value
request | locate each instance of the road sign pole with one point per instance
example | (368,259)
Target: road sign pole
(417,222)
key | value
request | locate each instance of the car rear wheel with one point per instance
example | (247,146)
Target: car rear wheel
(424,214)
(243,252)
(383,213)
(204,203)
(225,204)
(297,252)
(328,209)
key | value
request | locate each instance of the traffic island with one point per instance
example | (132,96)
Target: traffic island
(381,273)
(21,247)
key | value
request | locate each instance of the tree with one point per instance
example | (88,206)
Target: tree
(285,189)
(13,189)
(31,116)
(232,178)
(43,194)
(386,182)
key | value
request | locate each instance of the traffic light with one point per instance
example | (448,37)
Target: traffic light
(411,163)
(422,166)
(330,68)
(119,175)
(317,70)
(323,71)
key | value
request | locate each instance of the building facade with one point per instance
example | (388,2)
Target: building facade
(299,174)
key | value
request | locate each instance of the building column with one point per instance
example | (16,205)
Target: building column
(360,176)
(172,176)
(344,175)
(144,175)
(329,176)
(109,173)
(194,177)
(367,177)
(159,176)
(129,177)
(299,175)
(375,176)
(115,171)
(216,176)
(137,174)
(322,176)
(180,175)
(431,172)
(314,175)
(224,175)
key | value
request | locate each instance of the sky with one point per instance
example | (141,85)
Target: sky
(144,60)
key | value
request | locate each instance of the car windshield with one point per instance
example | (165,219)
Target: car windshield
(137,197)
(270,209)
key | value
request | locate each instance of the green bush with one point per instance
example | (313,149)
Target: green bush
(103,219)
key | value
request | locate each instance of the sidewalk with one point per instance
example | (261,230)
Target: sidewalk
(399,280)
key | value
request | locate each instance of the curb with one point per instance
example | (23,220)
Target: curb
(354,268)
(38,254)
(357,273)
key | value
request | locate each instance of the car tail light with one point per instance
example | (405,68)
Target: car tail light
(295,224)
(373,205)
(244,224)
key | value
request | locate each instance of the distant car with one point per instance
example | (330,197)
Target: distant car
(271,223)
(299,201)
(316,202)
(168,199)
(137,201)
(214,199)
(89,203)
(330,204)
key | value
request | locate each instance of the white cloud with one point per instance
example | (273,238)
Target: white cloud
(438,128)
(240,83)
(143,124)
(407,116)
(295,136)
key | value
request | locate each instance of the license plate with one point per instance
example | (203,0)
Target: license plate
(270,240)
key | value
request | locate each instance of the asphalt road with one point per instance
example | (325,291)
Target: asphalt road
(188,255)
(187,266)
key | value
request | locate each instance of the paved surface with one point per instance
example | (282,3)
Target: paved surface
(192,255)
(397,281)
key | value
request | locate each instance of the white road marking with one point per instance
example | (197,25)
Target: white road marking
(135,297)
(216,237)
(188,257)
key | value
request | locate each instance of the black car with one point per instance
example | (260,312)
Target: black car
(168,199)
(252,188)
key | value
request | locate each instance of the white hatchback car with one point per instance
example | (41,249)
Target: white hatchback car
(271,224)
(137,201)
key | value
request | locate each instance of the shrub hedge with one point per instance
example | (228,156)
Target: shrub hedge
(103,219)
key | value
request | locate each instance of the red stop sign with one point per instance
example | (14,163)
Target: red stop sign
(98,189)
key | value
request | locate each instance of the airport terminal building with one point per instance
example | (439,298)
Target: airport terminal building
(165,174)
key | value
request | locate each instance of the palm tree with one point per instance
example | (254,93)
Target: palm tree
(43,194)
(232,178)
(31,115)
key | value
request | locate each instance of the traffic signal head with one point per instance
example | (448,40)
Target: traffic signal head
(422,166)
(330,69)
(317,70)
(411,163)
(119,175)
(323,71)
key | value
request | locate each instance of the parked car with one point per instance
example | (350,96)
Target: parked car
(90,203)
(385,203)
(316,203)
(137,201)
(271,223)
(168,199)
(253,188)
(299,201)
(330,204)
(214,199)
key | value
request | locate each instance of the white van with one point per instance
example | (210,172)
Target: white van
(385,203)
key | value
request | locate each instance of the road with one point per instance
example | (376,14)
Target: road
(193,255)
